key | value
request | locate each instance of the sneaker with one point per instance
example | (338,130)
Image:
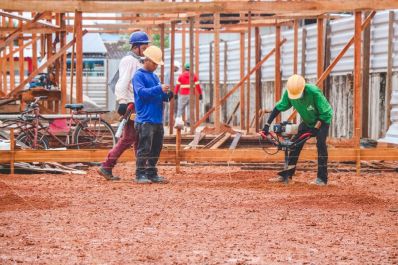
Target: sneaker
(318,182)
(280,179)
(158,179)
(107,174)
(142,180)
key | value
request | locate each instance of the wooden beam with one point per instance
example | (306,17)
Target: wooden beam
(248,84)
(357,86)
(295,46)
(12,66)
(79,58)
(258,78)
(10,38)
(320,49)
(365,81)
(223,100)
(42,67)
(278,7)
(216,95)
(63,86)
(338,57)
(22,18)
(172,54)
(191,76)
(197,63)
(242,75)
(278,76)
(389,67)
(197,155)
(303,49)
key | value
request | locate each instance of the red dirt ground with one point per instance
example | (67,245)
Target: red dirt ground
(207,215)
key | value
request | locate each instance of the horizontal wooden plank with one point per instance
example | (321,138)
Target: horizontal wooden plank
(198,155)
(198,7)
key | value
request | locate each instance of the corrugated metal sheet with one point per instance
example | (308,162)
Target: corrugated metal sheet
(341,31)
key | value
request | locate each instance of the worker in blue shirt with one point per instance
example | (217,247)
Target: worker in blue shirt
(149,95)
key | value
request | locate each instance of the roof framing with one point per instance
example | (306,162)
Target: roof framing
(279,7)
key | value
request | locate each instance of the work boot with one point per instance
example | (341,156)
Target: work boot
(158,179)
(280,179)
(107,174)
(142,180)
(318,182)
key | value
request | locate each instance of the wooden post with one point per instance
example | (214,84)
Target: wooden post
(295,47)
(365,81)
(4,59)
(12,66)
(357,87)
(249,36)
(162,48)
(178,150)
(217,70)
(21,57)
(320,49)
(389,67)
(278,85)
(34,52)
(183,44)
(303,49)
(12,149)
(191,76)
(242,74)
(258,78)
(172,52)
(63,66)
(197,27)
(79,57)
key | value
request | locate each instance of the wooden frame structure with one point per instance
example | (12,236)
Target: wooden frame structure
(170,17)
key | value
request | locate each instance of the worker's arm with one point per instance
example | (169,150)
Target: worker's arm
(145,92)
(197,85)
(177,87)
(324,109)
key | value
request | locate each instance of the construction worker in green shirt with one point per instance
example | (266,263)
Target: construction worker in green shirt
(316,114)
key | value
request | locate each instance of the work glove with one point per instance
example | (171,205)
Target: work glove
(170,94)
(200,97)
(176,96)
(314,131)
(266,129)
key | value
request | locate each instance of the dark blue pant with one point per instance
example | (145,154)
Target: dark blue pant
(150,143)
(322,153)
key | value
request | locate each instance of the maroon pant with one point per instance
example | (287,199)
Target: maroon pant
(129,137)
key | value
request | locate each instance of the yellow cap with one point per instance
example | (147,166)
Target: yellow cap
(155,54)
(295,86)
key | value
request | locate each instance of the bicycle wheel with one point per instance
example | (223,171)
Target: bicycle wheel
(26,140)
(94,133)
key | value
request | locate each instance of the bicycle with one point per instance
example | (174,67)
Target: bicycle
(93,131)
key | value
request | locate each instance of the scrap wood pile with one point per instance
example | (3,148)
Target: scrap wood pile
(35,167)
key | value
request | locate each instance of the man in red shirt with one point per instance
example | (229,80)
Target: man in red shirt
(182,91)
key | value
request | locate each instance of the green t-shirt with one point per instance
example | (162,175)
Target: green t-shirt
(312,106)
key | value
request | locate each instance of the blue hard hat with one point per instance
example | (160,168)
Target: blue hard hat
(139,37)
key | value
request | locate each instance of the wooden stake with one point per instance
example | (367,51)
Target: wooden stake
(248,84)
(216,70)
(79,58)
(12,67)
(12,149)
(278,85)
(178,150)
(357,87)
(197,63)
(63,67)
(21,57)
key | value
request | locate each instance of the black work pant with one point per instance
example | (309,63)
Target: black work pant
(322,153)
(150,143)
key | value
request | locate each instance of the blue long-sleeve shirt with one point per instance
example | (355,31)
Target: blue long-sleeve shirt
(148,97)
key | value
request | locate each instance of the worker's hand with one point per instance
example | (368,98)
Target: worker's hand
(176,96)
(170,94)
(200,97)
(165,88)
(266,129)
